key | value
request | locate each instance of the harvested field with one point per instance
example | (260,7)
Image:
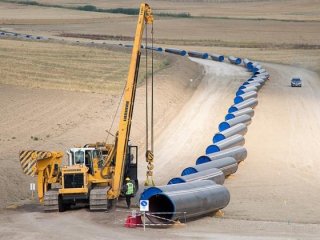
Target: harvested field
(252,9)
(62,66)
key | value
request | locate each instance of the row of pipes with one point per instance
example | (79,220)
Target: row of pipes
(198,191)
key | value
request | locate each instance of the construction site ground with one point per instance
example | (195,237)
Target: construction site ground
(274,192)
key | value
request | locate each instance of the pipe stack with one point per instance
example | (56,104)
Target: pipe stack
(198,191)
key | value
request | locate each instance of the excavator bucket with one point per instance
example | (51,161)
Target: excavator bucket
(29,158)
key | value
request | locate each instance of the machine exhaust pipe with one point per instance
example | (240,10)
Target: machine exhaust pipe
(251,102)
(235,140)
(246,119)
(238,153)
(227,165)
(213,174)
(240,128)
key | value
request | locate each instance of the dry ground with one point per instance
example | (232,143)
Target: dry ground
(68,67)
(255,9)
(62,119)
(269,191)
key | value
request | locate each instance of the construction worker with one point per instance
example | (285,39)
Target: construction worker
(129,191)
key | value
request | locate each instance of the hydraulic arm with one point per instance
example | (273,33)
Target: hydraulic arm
(145,17)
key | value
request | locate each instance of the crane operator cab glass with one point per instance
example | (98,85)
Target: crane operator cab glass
(82,156)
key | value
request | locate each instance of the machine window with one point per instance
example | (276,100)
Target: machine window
(79,157)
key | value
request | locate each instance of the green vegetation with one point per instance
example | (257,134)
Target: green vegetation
(92,8)
(178,15)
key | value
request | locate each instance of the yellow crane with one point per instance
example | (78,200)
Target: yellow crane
(95,173)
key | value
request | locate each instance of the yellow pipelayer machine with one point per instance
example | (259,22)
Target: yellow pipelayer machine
(95,172)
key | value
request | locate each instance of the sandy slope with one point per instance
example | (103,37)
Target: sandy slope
(274,192)
(279,180)
(63,119)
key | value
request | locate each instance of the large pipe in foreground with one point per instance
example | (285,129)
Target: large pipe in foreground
(217,57)
(238,153)
(251,102)
(189,203)
(236,129)
(234,60)
(235,140)
(227,165)
(246,119)
(198,54)
(176,51)
(249,111)
(245,96)
(213,174)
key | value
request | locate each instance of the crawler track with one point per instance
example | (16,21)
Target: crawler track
(51,200)
(98,199)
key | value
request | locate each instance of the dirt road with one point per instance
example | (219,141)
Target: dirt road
(274,194)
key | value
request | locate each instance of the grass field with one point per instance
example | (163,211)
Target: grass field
(62,66)
(249,9)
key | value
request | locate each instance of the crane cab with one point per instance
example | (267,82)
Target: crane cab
(83,156)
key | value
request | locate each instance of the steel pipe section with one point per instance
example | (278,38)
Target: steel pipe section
(239,153)
(248,111)
(235,140)
(198,54)
(234,60)
(251,102)
(176,51)
(240,128)
(147,193)
(158,49)
(217,57)
(213,174)
(195,202)
(256,80)
(246,89)
(245,96)
(227,165)
(248,64)
(251,84)
(245,119)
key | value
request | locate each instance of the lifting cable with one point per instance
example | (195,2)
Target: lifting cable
(149,153)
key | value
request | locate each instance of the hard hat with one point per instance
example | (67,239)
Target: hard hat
(127,179)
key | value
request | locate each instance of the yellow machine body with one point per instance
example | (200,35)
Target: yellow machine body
(95,173)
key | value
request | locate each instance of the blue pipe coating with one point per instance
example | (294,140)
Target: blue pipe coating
(248,111)
(239,153)
(176,51)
